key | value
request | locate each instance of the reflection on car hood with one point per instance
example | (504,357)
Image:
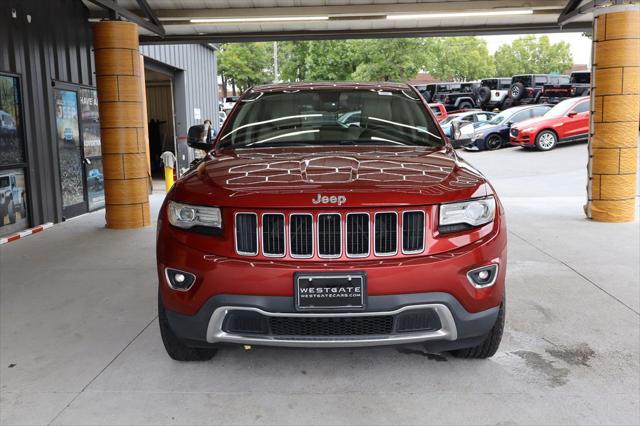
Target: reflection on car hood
(368,176)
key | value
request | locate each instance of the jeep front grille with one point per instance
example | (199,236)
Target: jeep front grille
(386,234)
(330,235)
(301,235)
(273,234)
(247,234)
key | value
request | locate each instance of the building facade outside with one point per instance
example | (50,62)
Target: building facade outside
(50,152)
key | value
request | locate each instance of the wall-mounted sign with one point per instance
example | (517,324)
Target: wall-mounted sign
(196,114)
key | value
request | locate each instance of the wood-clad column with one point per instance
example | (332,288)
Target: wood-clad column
(615,96)
(120,82)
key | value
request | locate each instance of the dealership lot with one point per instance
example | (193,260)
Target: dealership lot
(80,343)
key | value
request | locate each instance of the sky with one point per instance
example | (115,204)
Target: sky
(580,46)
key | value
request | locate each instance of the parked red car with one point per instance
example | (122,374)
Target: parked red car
(300,230)
(439,111)
(568,121)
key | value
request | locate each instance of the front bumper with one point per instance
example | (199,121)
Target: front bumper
(454,327)
(523,139)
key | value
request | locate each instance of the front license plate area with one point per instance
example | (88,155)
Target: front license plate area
(330,291)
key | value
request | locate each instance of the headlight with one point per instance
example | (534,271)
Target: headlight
(460,216)
(477,135)
(528,130)
(187,216)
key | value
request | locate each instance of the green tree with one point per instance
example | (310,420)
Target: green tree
(458,58)
(532,55)
(332,60)
(292,59)
(246,64)
(389,59)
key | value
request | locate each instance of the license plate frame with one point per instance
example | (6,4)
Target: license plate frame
(323,284)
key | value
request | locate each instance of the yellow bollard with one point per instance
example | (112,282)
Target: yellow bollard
(169,161)
(168,178)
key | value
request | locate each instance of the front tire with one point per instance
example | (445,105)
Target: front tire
(175,347)
(546,140)
(490,345)
(493,142)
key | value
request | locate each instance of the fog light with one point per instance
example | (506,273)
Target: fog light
(179,280)
(484,276)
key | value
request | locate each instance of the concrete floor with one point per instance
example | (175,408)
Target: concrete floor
(79,340)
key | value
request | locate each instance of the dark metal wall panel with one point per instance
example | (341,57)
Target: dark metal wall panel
(196,79)
(47,41)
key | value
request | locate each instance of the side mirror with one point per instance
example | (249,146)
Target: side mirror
(572,114)
(197,138)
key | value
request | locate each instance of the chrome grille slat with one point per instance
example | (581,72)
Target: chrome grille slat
(329,235)
(412,231)
(246,235)
(386,234)
(357,234)
(273,240)
(301,235)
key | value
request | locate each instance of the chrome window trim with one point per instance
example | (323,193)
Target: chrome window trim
(374,235)
(324,256)
(424,232)
(235,233)
(346,245)
(260,227)
(297,256)
(448,330)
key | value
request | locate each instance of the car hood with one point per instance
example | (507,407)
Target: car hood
(366,176)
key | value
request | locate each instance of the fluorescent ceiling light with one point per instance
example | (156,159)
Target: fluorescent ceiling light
(258,19)
(461,14)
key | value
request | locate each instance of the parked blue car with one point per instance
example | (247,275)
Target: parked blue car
(477,116)
(494,134)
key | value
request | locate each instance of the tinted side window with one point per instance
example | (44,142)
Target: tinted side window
(540,110)
(541,79)
(520,116)
(582,107)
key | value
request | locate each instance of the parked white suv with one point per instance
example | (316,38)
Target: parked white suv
(493,92)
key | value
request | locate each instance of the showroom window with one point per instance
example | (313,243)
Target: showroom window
(13,181)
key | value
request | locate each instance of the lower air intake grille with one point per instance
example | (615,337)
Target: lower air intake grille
(329,241)
(273,234)
(412,232)
(386,229)
(246,234)
(301,235)
(354,326)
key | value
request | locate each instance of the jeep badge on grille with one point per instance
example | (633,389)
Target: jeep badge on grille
(333,199)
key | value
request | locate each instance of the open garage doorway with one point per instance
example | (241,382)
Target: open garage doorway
(160,114)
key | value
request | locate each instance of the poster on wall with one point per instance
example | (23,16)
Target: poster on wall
(68,135)
(11,147)
(90,122)
(13,201)
(95,183)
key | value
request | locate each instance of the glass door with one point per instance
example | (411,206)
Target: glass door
(90,124)
(70,153)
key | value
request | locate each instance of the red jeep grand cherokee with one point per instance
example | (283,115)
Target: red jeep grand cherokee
(302,229)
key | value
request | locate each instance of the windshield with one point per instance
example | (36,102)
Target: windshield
(561,109)
(331,117)
(499,118)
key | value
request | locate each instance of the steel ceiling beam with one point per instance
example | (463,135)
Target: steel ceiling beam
(364,34)
(113,7)
(573,11)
